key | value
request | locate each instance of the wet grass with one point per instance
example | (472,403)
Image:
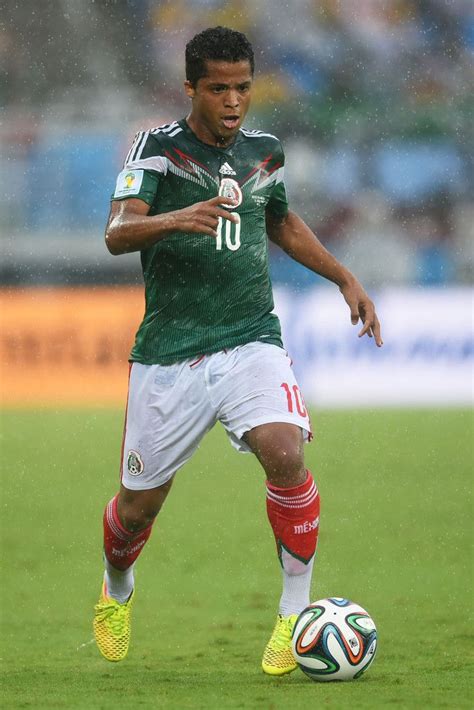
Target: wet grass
(395,537)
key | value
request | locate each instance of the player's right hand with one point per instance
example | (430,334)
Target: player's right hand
(203,217)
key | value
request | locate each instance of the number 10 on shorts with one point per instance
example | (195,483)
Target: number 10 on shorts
(294,399)
(232,242)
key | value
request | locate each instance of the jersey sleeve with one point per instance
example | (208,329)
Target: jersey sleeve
(278,202)
(143,170)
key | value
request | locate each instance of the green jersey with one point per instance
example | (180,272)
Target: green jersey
(204,294)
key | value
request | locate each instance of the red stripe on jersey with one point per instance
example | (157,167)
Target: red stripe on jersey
(261,167)
(187,162)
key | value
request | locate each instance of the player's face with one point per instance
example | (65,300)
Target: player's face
(220,101)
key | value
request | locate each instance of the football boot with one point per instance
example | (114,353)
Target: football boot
(278,656)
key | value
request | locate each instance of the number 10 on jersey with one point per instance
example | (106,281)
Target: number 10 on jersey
(231,232)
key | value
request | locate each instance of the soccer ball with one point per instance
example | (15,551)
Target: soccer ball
(334,639)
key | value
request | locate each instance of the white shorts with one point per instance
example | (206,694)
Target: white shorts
(171,407)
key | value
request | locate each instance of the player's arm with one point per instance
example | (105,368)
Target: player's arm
(130,227)
(298,241)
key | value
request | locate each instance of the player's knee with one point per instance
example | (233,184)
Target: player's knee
(285,466)
(135,520)
(279,448)
(138,509)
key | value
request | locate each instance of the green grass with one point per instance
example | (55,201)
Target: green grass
(395,537)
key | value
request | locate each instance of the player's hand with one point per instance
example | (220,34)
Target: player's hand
(362,307)
(203,217)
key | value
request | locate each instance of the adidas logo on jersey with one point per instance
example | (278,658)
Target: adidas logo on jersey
(226,170)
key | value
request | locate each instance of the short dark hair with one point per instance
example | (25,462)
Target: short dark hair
(219,44)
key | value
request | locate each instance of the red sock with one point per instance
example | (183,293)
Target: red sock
(294,516)
(121,546)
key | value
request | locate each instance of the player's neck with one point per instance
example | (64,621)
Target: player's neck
(205,135)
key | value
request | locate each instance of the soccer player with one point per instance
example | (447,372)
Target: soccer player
(197,198)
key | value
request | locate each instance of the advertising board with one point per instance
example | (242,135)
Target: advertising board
(68,347)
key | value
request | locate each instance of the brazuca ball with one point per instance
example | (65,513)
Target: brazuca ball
(334,639)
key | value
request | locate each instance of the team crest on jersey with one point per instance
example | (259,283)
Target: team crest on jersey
(129,182)
(135,464)
(231,188)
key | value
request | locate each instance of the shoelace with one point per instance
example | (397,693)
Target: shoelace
(283,634)
(115,616)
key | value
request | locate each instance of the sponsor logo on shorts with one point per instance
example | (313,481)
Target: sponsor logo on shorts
(135,464)
(306,527)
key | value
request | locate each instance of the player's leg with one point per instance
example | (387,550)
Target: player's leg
(262,410)
(293,512)
(128,521)
(166,418)
(292,507)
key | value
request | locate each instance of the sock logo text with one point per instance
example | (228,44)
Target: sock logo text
(306,527)
(128,550)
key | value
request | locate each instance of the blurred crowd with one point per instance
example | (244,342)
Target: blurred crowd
(372,100)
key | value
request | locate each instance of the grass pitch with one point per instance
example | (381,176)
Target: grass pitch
(395,537)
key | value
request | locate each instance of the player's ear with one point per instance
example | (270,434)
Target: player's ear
(189,89)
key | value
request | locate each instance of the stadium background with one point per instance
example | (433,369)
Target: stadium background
(373,102)
(378,163)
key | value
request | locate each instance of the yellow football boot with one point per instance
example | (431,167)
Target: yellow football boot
(278,657)
(112,626)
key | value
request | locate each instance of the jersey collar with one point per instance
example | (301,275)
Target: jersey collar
(192,136)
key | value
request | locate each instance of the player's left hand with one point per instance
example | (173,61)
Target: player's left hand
(362,307)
